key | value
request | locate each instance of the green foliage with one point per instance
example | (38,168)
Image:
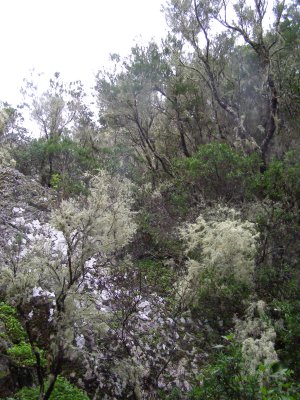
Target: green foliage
(153,225)
(154,107)
(217,171)
(22,355)
(115,160)
(13,327)
(63,390)
(277,219)
(175,394)
(55,181)
(280,182)
(277,280)
(157,275)
(290,25)
(288,334)
(225,379)
(69,161)
(218,299)
(21,352)
(179,200)
(278,273)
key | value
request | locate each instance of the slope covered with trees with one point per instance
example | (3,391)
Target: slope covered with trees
(152,246)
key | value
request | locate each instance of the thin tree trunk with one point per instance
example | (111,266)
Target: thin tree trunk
(272,125)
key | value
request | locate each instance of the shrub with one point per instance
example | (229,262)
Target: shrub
(277,273)
(22,355)
(216,171)
(63,390)
(13,327)
(158,275)
(69,162)
(221,250)
(280,182)
(222,245)
(6,159)
(288,334)
(226,378)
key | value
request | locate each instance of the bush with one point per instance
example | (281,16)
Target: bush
(288,334)
(280,182)
(5,159)
(225,379)
(69,162)
(23,356)
(157,275)
(221,248)
(13,327)
(277,275)
(216,171)
(63,390)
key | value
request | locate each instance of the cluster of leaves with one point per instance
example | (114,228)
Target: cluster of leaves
(226,378)
(63,390)
(280,182)
(70,161)
(288,333)
(18,349)
(217,171)
(23,355)
(13,327)
(158,275)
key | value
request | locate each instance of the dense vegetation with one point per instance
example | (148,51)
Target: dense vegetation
(169,267)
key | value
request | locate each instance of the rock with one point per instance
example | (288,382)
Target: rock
(22,200)
(6,381)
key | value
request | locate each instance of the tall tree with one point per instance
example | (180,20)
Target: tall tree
(128,104)
(55,111)
(213,29)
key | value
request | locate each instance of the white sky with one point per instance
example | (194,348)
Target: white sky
(73,37)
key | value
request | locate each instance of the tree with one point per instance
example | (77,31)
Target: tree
(196,21)
(12,130)
(55,111)
(182,102)
(71,163)
(286,72)
(128,104)
(56,267)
